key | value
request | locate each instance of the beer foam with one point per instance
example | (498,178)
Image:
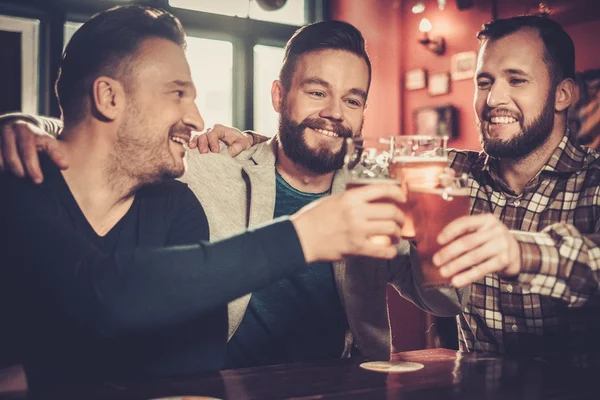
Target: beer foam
(419,159)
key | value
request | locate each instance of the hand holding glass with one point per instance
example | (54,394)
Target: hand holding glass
(367,162)
(435,196)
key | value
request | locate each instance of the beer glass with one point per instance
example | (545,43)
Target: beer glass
(435,196)
(366,162)
(417,161)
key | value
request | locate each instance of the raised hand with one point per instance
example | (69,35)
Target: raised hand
(343,224)
(475,246)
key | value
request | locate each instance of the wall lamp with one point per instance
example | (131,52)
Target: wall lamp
(435,44)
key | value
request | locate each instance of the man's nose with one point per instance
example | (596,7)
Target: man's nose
(192,118)
(334,110)
(498,95)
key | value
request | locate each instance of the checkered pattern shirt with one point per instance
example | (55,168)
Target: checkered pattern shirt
(552,309)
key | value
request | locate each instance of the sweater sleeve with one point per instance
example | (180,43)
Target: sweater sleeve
(141,289)
(560,262)
(52,126)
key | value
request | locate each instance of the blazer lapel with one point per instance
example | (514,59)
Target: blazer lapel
(261,193)
(261,200)
(339,267)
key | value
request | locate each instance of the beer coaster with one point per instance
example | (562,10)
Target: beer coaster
(391,367)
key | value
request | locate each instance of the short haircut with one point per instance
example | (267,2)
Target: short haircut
(559,51)
(325,35)
(106,45)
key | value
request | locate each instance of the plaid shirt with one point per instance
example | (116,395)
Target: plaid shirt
(552,309)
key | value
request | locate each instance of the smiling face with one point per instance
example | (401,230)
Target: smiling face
(324,105)
(514,99)
(160,113)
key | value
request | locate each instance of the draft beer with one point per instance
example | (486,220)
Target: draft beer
(435,197)
(411,171)
(366,163)
(434,208)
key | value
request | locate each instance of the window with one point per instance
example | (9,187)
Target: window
(68,30)
(292,13)
(234,51)
(267,63)
(21,35)
(211,63)
(223,7)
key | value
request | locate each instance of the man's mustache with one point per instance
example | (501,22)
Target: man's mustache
(339,129)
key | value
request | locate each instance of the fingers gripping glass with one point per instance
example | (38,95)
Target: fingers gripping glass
(367,162)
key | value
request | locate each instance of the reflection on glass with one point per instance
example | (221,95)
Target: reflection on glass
(232,8)
(28,29)
(211,63)
(267,63)
(69,30)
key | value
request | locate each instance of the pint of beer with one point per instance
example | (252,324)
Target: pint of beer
(422,172)
(367,163)
(434,208)
(435,197)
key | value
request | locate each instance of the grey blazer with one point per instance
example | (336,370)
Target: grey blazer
(240,193)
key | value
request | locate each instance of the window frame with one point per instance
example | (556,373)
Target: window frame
(244,33)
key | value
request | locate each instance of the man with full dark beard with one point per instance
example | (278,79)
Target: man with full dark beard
(331,310)
(530,256)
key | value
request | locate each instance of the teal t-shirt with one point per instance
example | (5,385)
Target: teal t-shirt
(299,318)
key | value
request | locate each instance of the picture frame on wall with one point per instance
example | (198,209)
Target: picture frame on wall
(415,79)
(462,65)
(439,84)
(436,121)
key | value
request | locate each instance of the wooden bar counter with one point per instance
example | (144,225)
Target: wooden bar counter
(446,375)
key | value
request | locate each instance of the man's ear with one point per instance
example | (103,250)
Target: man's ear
(108,97)
(277,94)
(564,94)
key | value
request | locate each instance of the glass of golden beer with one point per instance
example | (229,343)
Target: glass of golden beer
(367,162)
(435,196)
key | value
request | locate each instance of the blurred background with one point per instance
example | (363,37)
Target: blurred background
(423,55)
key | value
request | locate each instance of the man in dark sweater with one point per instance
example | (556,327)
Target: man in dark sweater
(103,263)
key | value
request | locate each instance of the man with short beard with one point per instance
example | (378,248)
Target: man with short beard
(529,255)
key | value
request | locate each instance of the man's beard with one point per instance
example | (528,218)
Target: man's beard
(531,137)
(140,155)
(293,141)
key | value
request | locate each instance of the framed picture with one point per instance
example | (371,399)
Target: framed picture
(415,79)
(462,65)
(436,121)
(439,84)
